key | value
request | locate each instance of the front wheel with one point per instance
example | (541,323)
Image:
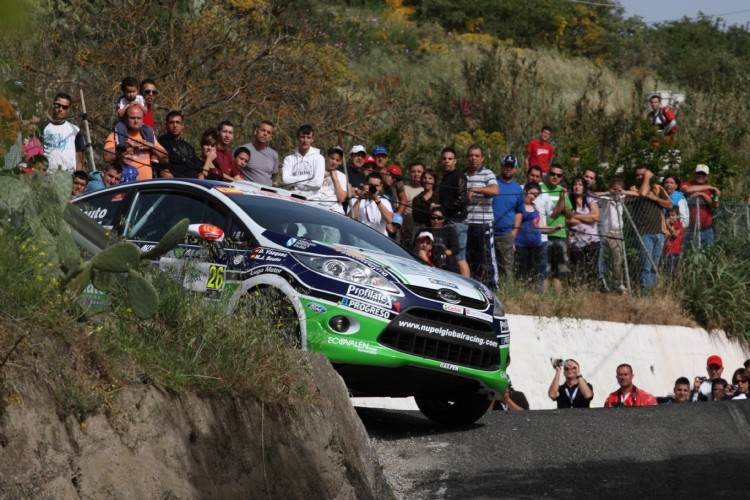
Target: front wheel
(453,409)
(267,307)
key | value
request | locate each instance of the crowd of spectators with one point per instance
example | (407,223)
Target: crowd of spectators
(573,391)
(553,230)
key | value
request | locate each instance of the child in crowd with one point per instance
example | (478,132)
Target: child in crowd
(130,97)
(32,145)
(673,244)
(241,159)
(125,152)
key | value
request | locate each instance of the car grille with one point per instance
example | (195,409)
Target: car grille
(430,293)
(454,339)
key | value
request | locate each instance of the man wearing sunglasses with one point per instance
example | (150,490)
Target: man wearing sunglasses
(63,141)
(702,200)
(149,93)
(553,208)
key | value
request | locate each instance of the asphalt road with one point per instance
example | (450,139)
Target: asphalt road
(669,451)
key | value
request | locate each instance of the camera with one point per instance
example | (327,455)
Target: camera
(559,362)
(702,379)
(372,189)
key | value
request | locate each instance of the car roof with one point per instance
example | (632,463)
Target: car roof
(244,186)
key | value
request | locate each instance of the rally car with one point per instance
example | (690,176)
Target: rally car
(390,325)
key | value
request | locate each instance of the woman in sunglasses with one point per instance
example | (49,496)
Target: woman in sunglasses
(740,388)
(425,200)
(445,241)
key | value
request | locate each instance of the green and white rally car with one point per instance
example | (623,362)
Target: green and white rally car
(390,325)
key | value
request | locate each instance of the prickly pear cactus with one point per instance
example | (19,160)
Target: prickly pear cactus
(116,268)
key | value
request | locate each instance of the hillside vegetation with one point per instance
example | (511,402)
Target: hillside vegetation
(416,75)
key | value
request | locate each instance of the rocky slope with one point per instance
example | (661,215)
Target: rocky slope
(156,444)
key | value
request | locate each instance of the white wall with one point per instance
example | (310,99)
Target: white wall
(658,354)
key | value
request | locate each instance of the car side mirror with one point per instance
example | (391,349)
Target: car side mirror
(207,232)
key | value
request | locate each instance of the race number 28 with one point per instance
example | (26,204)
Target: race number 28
(215,277)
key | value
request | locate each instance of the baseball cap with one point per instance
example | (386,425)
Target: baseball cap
(357,149)
(701,168)
(510,160)
(425,234)
(397,218)
(369,159)
(714,360)
(380,150)
(394,170)
(336,149)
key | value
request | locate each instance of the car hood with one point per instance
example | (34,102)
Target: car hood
(409,272)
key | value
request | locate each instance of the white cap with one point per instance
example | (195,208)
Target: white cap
(702,168)
(358,149)
(426,234)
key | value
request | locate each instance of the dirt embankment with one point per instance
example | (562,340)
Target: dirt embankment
(162,445)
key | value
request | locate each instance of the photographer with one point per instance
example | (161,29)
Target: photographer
(702,390)
(369,208)
(575,392)
(512,400)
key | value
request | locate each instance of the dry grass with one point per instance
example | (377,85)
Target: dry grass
(657,309)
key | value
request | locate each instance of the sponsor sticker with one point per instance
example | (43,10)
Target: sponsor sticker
(265,270)
(437,330)
(369,295)
(479,315)
(440,282)
(118,196)
(316,308)
(359,345)
(454,309)
(505,340)
(449,366)
(365,308)
(97,214)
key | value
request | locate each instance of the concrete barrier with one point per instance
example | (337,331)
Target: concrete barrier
(659,355)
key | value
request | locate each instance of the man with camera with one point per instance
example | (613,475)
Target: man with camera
(369,208)
(628,394)
(702,385)
(576,392)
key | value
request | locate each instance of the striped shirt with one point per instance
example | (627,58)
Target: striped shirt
(480,206)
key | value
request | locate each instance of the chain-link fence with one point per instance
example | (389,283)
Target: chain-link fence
(636,243)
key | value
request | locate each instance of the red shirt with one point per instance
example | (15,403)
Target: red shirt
(636,397)
(226,163)
(673,245)
(540,154)
(699,209)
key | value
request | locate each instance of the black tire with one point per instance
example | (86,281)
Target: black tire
(269,308)
(453,408)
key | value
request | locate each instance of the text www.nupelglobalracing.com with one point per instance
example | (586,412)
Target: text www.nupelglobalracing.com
(446,332)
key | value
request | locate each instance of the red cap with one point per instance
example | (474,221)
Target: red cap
(394,170)
(714,360)
(369,159)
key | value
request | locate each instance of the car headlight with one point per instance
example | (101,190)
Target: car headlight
(347,270)
(498,310)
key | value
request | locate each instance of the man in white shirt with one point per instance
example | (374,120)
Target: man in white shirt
(303,171)
(63,142)
(369,208)
(334,190)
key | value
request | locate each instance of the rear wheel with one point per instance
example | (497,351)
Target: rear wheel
(453,408)
(267,307)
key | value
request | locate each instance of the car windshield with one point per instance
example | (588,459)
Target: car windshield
(300,220)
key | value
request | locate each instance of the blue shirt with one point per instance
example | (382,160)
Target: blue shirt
(505,206)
